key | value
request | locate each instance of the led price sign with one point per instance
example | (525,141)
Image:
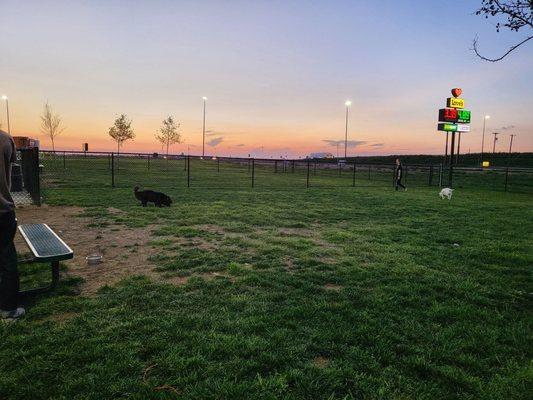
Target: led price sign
(454,115)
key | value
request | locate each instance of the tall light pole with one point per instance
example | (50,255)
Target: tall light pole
(483,136)
(4,97)
(203,129)
(347,103)
(494,144)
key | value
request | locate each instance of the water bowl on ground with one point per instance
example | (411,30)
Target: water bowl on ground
(94,259)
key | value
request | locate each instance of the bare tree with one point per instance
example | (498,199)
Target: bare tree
(121,131)
(51,124)
(519,14)
(169,133)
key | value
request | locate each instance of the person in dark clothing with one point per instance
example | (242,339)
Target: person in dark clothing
(9,274)
(399,175)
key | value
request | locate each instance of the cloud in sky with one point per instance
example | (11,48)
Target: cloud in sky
(504,128)
(215,141)
(377,145)
(350,143)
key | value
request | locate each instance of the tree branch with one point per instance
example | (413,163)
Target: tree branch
(513,14)
(503,56)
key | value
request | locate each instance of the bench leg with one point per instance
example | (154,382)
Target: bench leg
(44,289)
(55,274)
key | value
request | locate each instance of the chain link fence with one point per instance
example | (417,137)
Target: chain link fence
(70,170)
(25,179)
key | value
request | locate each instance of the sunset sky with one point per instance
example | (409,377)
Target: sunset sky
(276,73)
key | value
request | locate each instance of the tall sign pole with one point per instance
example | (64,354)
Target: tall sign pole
(446,150)
(453,119)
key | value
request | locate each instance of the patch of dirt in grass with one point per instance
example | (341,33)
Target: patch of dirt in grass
(125,250)
(115,211)
(212,229)
(197,242)
(320,362)
(333,287)
(176,280)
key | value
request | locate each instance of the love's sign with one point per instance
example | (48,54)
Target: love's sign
(455,102)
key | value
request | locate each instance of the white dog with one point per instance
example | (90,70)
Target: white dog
(446,192)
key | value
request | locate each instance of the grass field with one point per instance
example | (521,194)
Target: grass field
(351,293)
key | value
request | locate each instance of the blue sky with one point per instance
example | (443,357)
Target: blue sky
(276,73)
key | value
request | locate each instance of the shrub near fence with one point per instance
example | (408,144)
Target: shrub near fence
(100,170)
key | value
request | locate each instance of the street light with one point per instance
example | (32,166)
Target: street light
(4,97)
(203,130)
(347,103)
(483,135)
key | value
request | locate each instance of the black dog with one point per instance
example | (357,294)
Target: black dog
(149,196)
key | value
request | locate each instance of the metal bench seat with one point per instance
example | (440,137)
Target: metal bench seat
(46,246)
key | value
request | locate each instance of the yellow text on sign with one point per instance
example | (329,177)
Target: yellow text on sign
(455,102)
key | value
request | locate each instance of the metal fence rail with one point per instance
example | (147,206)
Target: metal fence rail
(70,169)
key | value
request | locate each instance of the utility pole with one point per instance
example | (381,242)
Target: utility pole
(511,144)
(485,118)
(494,143)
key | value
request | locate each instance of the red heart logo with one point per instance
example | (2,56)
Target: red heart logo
(456,92)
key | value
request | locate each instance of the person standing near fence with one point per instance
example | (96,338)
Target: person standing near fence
(398,175)
(9,274)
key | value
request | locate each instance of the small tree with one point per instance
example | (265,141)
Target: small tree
(169,133)
(51,124)
(121,131)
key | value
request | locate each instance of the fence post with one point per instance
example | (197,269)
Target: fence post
(64,161)
(430,175)
(188,160)
(440,175)
(405,179)
(275,166)
(253,171)
(293,166)
(339,167)
(353,177)
(249,164)
(185,162)
(506,177)
(113,170)
(307,184)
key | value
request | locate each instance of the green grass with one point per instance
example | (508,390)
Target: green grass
(325,293)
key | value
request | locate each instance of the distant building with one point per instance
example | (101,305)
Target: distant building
(321,155)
